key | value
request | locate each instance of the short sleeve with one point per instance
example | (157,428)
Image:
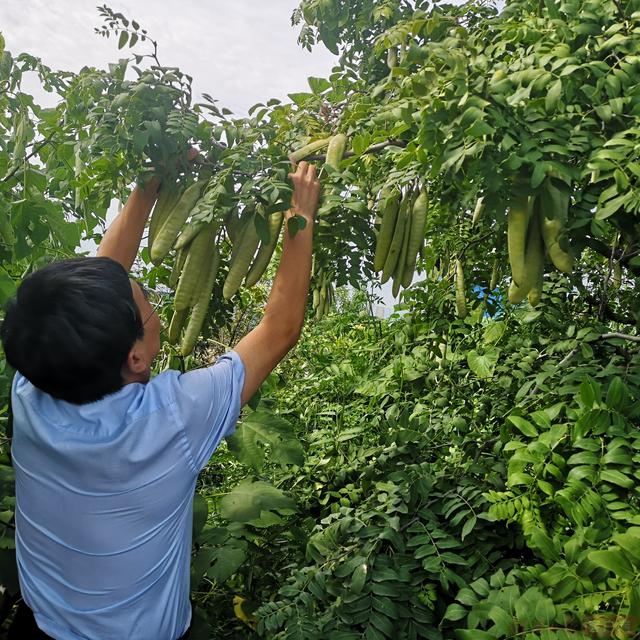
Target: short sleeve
(208,402)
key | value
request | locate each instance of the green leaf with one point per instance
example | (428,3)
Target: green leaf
(617,394)
(300,98)
(358,578)
(483,365)
(589,393)
(553,96)
(606,210)
(616,477)
(455,612)
(630,542)
(262,228)
(124,36)
(227,560)
(382,623)
(543,543)
(249,499)
(524,426)
(468,527)
(318,85)
(200,513)
(260,429)
(614,560)
(480,128)
(474,634)
(552,8)
(494,332)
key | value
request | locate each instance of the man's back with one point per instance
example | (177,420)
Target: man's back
(104,500)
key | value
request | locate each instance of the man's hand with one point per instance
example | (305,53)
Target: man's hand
(121,240)
(280,327)
(306,191)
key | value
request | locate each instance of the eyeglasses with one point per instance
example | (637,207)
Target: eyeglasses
(153,297)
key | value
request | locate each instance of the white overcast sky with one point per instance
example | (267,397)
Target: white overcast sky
(241,52)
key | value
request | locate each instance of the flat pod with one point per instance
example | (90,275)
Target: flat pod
(171,227)
(263,257)
(199,312)
(241,258)
(390,204)
(198,257)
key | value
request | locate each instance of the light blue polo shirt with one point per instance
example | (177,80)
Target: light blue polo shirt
(104,500)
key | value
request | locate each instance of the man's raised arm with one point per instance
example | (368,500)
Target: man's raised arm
(280,327)
(121,240)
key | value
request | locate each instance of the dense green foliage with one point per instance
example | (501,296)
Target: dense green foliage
(431,476)
(493,489)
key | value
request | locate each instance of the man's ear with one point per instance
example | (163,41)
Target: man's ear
(136,362)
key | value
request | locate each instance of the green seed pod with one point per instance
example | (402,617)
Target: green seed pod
(177,322)
(171,227)
(396,242)
(263,257)
(178,265)
(241,258)
(390,206)
(199,312)
(198,257)
(461,300)
(168,197)
(308,149)
(335,152)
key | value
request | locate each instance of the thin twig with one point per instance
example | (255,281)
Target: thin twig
(475,241)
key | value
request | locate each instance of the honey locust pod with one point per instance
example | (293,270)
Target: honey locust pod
(178,265)
(461,300)
(554,205)
(533,263)
(308,149)
(263,257)
(188,234)
(392,57)
(175,327)
(396,242)
(171,227)
(198,257)
(199,312)
(335,151)
(389,205)
(416,235)
(517,223)
(402,258)
(241,257)
(477,212)
(168,197)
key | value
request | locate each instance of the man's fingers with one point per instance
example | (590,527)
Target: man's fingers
(311,173)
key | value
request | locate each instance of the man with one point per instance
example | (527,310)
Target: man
(106,459)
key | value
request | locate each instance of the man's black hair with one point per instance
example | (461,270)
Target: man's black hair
(70,328)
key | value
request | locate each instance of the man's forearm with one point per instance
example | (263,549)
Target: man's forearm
(121,240)
(288,298)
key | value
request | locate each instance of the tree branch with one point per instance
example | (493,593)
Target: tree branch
(36,148)
(620,336)
(618,254)
(610,314)
(374,148)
